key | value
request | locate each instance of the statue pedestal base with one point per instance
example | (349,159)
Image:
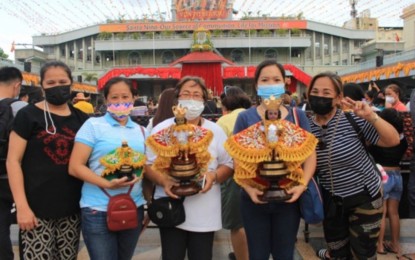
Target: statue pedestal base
(274,171)
(186,188)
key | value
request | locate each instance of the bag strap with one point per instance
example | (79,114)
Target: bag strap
(362,140)
(295,116)
(106,193)
(356,128)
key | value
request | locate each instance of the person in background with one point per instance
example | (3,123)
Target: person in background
(393,96)
(210,104)
(353,209)
(81,103)
(271,228)
(234,100)
(164,110)
(98,139)
(353,91)
(24,95)
(46,196)
(10,86)
(137,101)
(379,101)
(194,237)
(390,159)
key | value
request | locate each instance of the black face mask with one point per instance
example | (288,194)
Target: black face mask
(58,95)
(321,105)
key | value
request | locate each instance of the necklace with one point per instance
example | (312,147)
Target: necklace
(330,151)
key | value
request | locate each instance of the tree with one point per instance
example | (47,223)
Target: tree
(90,76)
(3,55)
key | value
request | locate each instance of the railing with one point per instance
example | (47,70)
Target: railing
(387,60)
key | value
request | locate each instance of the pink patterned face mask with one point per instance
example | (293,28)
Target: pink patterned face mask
(120,110)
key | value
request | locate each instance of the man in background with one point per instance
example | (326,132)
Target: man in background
(10,83)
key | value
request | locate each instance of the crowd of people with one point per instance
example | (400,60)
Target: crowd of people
(61,164)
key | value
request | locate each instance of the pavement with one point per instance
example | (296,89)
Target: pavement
(148,247)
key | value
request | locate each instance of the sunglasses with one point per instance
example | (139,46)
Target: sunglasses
(322,141)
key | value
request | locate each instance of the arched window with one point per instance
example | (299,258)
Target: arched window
(237,56)
(134,58)
(271,54)
(167,57)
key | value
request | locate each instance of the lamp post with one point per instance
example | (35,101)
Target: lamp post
(353,12)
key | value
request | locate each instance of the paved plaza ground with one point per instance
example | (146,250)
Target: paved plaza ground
(148,247)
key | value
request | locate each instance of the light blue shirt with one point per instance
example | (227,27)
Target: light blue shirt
(104,134)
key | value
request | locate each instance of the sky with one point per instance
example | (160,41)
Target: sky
(21,19)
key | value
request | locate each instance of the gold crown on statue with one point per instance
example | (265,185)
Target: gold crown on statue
(272,103)
(179,111)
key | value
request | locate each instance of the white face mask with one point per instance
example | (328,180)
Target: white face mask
(194,108)
(390,99)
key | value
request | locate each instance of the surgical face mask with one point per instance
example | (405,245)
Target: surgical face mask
(58,95)
(321,105)
(390,99)
(194,108)
(266,91)
(120,110)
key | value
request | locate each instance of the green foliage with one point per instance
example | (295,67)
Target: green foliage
(167,33)
(234,33)
(149,35)
(104,35)
(184,34)
(135,35)
(264,33)
(217,33)
(296,32)
(282,32)
(3,55)
(90,76)
(120,35)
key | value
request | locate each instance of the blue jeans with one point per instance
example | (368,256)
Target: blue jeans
(393,188)
(103,244)
(270,228)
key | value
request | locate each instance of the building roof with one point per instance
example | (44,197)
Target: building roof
(202,57)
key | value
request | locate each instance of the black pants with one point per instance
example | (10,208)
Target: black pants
(175,242)
(6,204)
(351,225)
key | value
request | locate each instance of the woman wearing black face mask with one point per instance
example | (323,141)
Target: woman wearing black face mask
(351,186)
(46,196)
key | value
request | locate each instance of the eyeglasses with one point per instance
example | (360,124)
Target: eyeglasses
(322,141)
(194,96)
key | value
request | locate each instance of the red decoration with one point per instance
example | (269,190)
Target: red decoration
(164,73)
(210,72)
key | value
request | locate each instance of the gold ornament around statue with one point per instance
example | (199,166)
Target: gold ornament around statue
(274,170)
(184,166)
(123,162)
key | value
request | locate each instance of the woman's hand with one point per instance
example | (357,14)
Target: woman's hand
(26,219)
(122,182)
(296,191)
(360,109)
(254,194)
(168,183)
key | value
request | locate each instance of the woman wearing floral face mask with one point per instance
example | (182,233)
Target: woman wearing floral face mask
(392,99)
(46,196)
(194,237)
(351,186)
(99,149)
(271,227)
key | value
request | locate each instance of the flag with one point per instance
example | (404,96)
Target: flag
(13,47)
(397,37)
